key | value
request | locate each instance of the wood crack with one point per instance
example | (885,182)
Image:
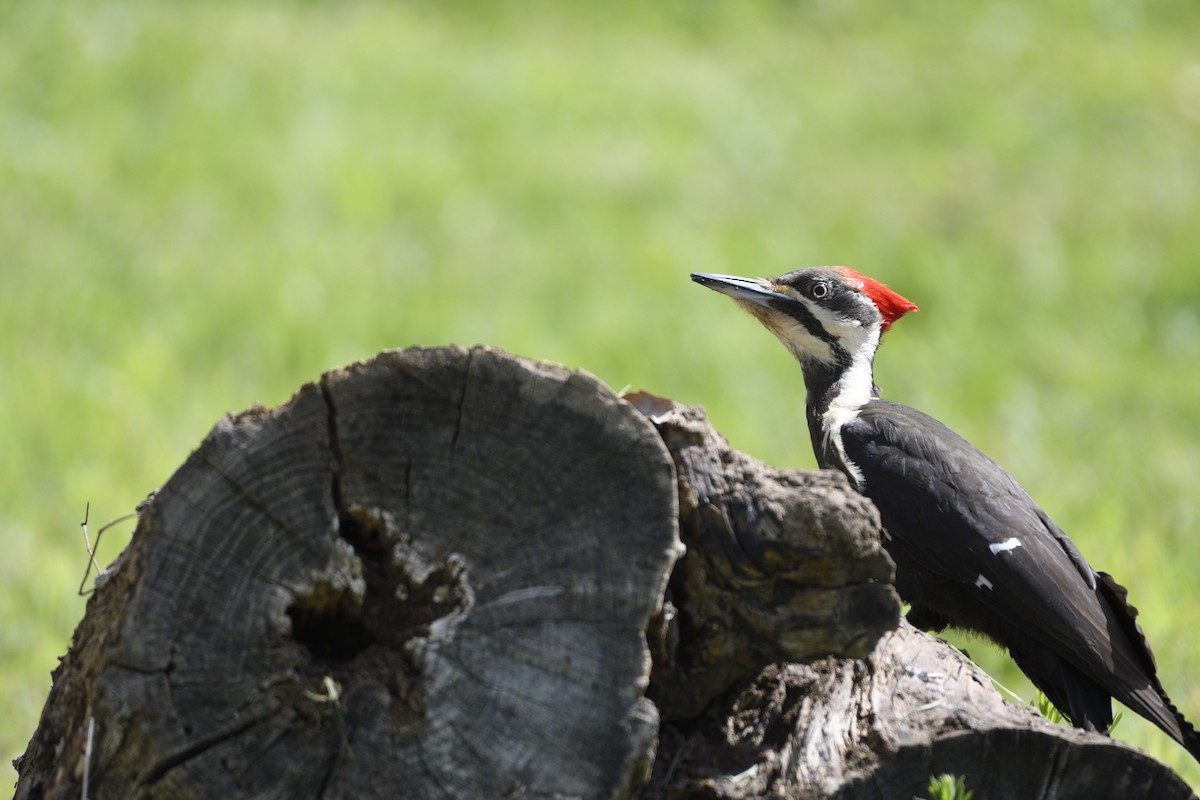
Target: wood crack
(157,772)
(335,446)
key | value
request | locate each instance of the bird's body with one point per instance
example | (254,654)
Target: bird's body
(972,549)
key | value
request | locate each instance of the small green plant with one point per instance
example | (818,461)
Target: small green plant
(947,787)
(1047,709)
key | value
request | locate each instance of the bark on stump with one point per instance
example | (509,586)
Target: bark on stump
(442,573)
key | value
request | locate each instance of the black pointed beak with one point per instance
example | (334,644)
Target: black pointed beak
(752,290)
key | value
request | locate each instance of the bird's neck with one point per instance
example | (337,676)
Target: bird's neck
(836,393)
(848,382)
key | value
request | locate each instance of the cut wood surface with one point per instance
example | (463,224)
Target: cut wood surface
(426,576)
(450,573)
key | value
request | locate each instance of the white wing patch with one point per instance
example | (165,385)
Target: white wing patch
(1004,547)
(982,582)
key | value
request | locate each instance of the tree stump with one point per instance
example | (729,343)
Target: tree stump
(426,576)
(456,573)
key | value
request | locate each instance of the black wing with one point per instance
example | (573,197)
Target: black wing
(962,518)
(957,506)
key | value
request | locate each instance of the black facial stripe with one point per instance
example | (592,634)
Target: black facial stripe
(799,311)
(848,304)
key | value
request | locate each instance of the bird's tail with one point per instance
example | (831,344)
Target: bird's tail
(1147,696)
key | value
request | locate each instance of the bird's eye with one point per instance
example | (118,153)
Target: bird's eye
(819,290)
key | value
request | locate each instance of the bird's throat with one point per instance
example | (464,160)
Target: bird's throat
(837,386)
(835,397)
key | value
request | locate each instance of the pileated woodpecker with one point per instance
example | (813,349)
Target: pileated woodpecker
(972,548)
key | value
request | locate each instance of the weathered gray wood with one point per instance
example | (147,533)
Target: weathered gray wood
(781,565)
(878,728)
(427,576)
(443,573)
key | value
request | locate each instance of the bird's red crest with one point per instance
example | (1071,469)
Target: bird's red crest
(891,305)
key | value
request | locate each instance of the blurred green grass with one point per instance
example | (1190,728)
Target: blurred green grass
(204,205)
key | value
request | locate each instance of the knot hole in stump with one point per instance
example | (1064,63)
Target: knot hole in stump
(386,622)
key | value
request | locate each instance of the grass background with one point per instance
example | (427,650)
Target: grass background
(204,205)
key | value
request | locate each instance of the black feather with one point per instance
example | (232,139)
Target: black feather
(945,505)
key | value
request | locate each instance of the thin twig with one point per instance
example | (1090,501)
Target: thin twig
(87,511)
(92,550)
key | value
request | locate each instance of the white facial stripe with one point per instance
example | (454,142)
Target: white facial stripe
(1004,547)
(829,319)
(983,583)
